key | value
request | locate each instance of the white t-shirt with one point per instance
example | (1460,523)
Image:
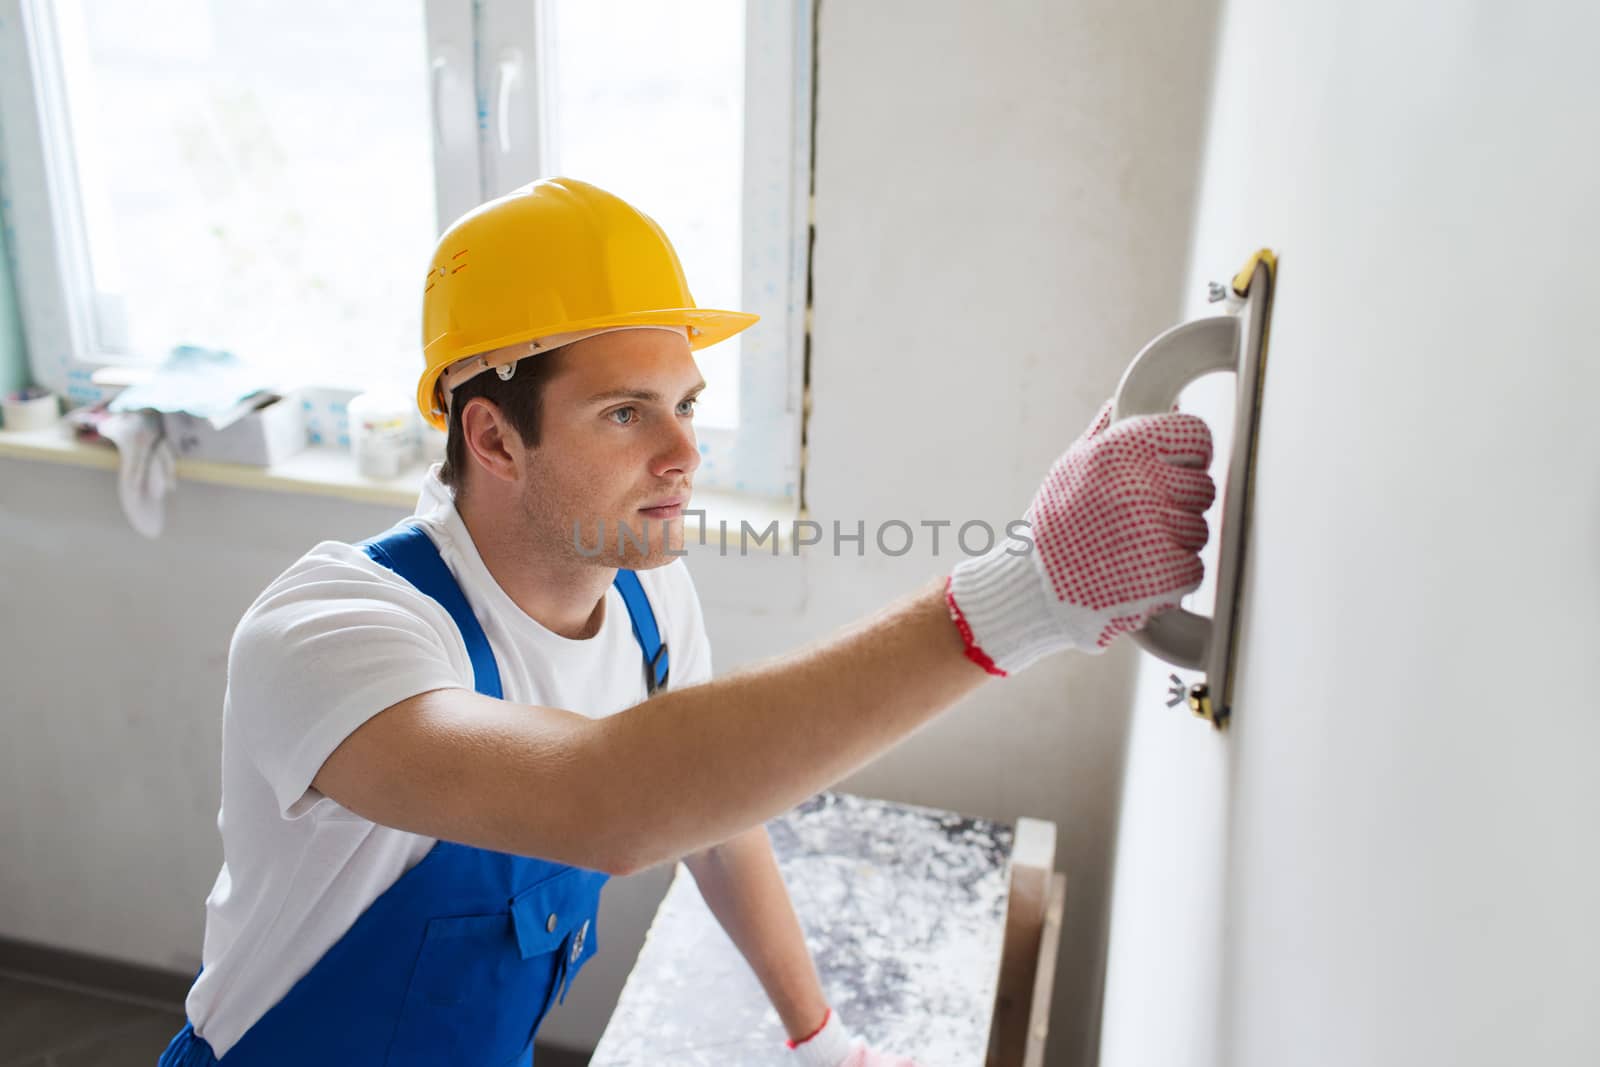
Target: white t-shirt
(333,641)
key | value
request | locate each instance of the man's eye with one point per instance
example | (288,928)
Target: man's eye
(687,406)
(632,416)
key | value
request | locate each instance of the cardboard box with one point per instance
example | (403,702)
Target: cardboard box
(265,436)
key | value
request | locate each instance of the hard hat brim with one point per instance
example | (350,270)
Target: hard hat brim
(706,327)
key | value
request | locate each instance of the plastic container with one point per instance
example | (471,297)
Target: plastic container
(31,409)
(383,433)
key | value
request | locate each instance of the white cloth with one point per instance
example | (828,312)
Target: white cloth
(331,642)
(148,467)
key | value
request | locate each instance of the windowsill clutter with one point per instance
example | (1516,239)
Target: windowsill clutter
(206,416)
(323,470)
(320,471)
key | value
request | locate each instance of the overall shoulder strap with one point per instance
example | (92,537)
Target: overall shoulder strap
(411,554)
(656,663)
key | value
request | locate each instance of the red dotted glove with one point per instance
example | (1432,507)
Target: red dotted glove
(832,1046)
(1117,530)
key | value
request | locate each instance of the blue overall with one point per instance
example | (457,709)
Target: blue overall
(458,962)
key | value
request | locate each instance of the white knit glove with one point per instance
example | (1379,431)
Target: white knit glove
(1117,530)
(832,1046)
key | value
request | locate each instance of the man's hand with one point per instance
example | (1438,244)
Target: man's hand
(832,1046)
(1117,529)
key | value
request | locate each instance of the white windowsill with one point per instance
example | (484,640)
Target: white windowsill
(331,472)
(318,471)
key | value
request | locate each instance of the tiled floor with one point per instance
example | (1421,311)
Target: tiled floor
(52,1026)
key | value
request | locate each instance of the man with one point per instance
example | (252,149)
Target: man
(437,746)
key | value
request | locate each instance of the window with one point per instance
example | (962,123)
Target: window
(269,178)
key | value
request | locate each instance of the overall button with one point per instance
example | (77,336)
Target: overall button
(550,924)
(577,942)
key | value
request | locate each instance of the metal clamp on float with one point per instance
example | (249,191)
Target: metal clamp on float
(1233,341)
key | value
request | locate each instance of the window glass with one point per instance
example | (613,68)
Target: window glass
(255,176)
(647,101)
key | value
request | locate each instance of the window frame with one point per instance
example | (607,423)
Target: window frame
(46,231)
(484,65)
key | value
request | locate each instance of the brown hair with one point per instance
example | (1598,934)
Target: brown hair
(519,400)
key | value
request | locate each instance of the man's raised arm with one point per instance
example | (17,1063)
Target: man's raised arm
(1117,529)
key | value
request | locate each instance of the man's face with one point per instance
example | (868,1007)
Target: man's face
(616,440)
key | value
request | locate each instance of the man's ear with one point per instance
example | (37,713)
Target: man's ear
(491,440)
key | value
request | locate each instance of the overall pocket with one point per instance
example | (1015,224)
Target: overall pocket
(482,984)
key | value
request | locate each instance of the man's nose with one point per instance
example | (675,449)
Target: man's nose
(681,451)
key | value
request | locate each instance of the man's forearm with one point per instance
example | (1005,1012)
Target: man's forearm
(742,886)
(699,765)
(678,773)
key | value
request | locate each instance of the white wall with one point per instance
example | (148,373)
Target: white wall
(1390,860)
(1004,197)
(1003,211)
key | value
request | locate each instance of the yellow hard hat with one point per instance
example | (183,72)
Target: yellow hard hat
(558,259)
